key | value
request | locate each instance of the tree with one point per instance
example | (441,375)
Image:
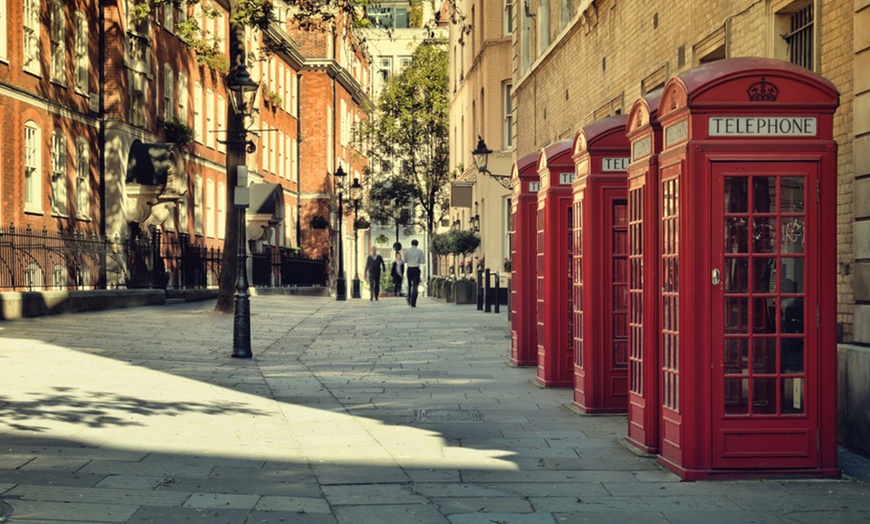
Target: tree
(409,125)
(388,201)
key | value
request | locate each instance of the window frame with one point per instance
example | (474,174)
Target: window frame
(32,167)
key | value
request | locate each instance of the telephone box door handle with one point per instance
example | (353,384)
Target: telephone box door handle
(715,277)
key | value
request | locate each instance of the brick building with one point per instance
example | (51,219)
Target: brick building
(123,135)
(578,61)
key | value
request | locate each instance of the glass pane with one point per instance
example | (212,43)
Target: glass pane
(764,194)
(792,199)
(736,194)
(736,235)
(764,396)
(792,395)
(792,234)
(736,361)
(792,355)
(736,275)
(763,275)
(792,315)
(736,396)
(736,315)
(764,235)
(792,279)
(764,355)
(763,315)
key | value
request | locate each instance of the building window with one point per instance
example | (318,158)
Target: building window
(58,173)
(209,118)
(221,210)
(197,111)
(32,174)
(388,17)
(543,18)
(221,122)
(82,60)
(566,9)
(83,179)
(4,23)
(139,106)
(404,61)
(169,17)
(182,98)
(508,22)
(209,208)
(183,213)
(800,39)
(386,68)
(31,36)
(508,105)
(58,43)
(168,92)
(197,205)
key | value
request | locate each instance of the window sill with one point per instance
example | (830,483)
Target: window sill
(33,210)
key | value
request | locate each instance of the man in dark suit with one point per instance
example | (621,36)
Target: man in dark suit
(374,266)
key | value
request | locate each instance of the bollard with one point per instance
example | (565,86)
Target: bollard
(479,287)
(487,308)
(496,294)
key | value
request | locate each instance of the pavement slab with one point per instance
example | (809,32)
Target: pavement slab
(349,412)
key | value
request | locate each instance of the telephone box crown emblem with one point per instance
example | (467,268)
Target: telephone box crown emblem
(763,91)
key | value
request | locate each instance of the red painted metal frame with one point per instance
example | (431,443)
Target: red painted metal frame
(555,345)
(644,403)
(692,353)
(524,205)
(601,276)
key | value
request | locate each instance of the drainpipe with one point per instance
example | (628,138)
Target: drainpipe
(298,160)
(101,141)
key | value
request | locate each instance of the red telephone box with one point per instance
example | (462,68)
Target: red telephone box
(747,247)
(601,156)
(524,205)
(644,134)
(554,231)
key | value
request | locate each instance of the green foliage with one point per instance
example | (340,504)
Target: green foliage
(454,242)
(410,124)
(271,97)
(388,198)
(178,132)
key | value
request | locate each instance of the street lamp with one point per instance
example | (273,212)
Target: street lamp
(340,282)
(475,223)
(243,94)
(481,158)
(356,196)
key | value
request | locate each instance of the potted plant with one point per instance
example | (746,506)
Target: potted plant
(507,264)
(176,131)
(271,98)
(318,222)
(465,291)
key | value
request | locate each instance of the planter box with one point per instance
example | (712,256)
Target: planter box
(465,293)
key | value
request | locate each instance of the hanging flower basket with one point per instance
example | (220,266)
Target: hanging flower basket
(361,223)
(318,222)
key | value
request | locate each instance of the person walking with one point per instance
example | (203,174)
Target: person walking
(374,265)
(414,259)
(397,273)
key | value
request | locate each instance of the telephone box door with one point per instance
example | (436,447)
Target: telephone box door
(764,305)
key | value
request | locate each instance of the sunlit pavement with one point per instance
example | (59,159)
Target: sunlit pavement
(350,412)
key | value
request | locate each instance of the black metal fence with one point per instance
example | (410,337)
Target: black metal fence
(36,260)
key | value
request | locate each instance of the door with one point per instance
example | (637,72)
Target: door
(764,326)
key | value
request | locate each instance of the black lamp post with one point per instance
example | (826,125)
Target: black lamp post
(341,281)
(243,94)
(481,158)
(356,196)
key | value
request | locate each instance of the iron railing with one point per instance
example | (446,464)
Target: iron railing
(71,260)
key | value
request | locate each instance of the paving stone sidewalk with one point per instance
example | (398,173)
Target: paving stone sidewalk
(350,412)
